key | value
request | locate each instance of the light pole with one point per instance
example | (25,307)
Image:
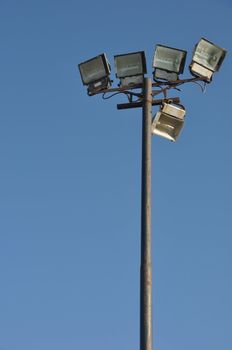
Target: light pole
(168,63)
(146,258)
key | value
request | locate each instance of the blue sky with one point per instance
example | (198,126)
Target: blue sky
(70,183)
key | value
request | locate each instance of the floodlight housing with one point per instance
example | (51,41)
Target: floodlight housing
(130,68)
(207,59)
(95,73)
(168,62)
(169,121)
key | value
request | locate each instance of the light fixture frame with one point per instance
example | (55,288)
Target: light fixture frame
(172,112)
(202,70)
(100,83)
(144,64)
(167,74)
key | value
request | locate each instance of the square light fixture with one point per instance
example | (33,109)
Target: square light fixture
(169,121)
(207,59)
(130,68)
(168,62)
(95,73)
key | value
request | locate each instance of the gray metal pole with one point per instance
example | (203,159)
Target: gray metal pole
(146,268)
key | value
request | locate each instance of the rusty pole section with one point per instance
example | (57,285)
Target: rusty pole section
(146,269)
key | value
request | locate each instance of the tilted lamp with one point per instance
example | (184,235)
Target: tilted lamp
(95,73)
(168,63)
(207,59)
(130,68)
(169,121)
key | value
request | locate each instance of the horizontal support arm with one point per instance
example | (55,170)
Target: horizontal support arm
(154,103)
(156,84)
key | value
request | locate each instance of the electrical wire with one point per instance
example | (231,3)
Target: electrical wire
(203,88)
(112,95)
(129,95)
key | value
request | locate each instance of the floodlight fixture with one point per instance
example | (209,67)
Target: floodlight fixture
(95,73)
(169,121)
(207,59)
(130,68)
(168,62)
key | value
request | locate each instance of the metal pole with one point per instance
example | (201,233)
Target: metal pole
(146,269)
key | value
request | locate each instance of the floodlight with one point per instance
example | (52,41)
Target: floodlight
(168,62)
(207,59)
(130,68)
(95,73)
(169,121)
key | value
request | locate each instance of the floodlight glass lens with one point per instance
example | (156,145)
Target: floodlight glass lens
(167,126)
(129,65)
(93,70)
(208,55)
(168,59)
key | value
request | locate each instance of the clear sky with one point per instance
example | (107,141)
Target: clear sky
(70,183)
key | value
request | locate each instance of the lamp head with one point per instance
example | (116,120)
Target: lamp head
(168,62)
(95,73)
(169,121)
(130,68)
(207,59)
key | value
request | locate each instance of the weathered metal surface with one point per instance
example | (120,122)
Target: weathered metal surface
(146,270)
